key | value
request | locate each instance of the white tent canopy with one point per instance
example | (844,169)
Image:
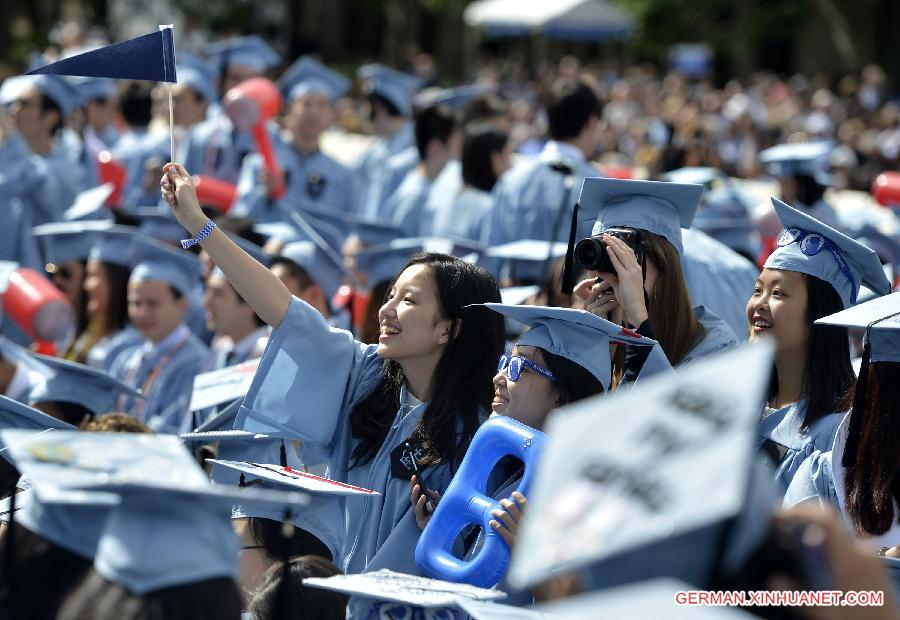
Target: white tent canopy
(563,19)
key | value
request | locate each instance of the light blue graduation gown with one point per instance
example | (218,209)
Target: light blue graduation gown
(104,353)
(309,381)
(168,398)
(395,170)
(527,203)
(216,148)
(719,336)
(134,148)
(370,167)
(315,179)
(783,428)
(405,209)
(718,278)
(61,180)
(464,217)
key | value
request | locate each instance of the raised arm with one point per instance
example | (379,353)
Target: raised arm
(258,286)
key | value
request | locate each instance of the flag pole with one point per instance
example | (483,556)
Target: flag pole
(171,126)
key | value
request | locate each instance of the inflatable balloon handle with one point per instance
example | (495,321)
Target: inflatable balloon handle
(466,503)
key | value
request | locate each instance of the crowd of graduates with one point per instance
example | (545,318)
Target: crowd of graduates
(395,263)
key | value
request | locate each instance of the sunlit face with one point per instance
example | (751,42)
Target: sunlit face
(153,309)
(410,319)
(96,286)
(777,308)
(28,115)
(69,278)
(309,115)
(225,312)
(528,400)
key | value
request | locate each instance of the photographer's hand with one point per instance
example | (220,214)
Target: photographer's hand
(629,284)
(599,297)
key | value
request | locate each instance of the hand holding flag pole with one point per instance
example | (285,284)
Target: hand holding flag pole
(147,57)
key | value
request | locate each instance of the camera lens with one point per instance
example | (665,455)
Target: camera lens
(588,253)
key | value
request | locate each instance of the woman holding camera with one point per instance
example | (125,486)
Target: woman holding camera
(635,256)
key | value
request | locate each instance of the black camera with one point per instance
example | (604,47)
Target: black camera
(591,254)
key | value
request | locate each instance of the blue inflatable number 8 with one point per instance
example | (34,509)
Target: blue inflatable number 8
(466,503)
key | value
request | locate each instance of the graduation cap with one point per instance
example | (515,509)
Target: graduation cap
(115,245)
(456,98)
(669,492)
(880,318)
(248,51)
(308,75)
(520,259)
(811,247)
(327,242)
(152,260)
(695,175)
(515,295)
(803,158)
(67,241)
(384,262)
(70,382)
(93,88)
(55,87)
(161,490)
(201,82)
(90,204)
(14,414)
(655,206)
(368,230)
(159,224)
(578,336)
(394,86)
(319,264)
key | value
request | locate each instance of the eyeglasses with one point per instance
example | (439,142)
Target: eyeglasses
(811,244)
(515,363)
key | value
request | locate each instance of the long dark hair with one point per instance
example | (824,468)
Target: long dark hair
(872,485)
(302,601)
(100,599)
(671,311)
(827,376)
(116,317)
(574,381)
(42,574)
(462,387)
(480,142)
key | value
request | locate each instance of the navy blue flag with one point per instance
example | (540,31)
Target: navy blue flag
(148,57)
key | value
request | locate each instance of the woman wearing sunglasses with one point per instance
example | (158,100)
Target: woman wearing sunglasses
(815,271)
(562,358)
(373,413)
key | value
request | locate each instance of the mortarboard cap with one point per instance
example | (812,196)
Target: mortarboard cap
(655,206)
(384,262)
(804,158)
(92,88)
(248,51)
(394,86)
(880,318)
(67,241)
(670,490)
(162,490)
(369,231)
(14,414)
(201,82)
(842,262)
(159,224)
(115,245)
(577,335)
(55,87)
(152,260)
(696,175)
(90,204)
(70,382)
(520,259)
(456,98)
(516,295)
(308,75)
(319,264)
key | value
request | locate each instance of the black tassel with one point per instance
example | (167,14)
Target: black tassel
(568,274)
(283,454)
(851,448)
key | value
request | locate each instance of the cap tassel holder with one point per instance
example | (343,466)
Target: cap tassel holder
(568,274)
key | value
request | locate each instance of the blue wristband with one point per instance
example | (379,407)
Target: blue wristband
(203,234)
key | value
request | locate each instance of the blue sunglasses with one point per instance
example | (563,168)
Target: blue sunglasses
(811,244)
(516,363)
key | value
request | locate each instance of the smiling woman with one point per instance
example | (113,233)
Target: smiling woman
(814,272)
(371,412)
